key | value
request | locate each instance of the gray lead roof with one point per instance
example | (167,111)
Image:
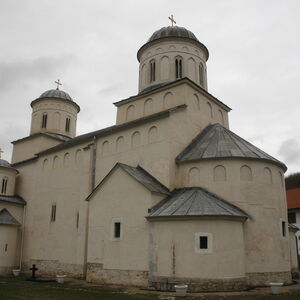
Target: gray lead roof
(195,201)
(145,178)
(216,141)
(7,219)
(13,199)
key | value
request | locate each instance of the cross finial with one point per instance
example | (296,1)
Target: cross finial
(172,20)
(1,151)
(58,84)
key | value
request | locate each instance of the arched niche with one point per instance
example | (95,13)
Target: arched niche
(135,139)
(120,144)
(168,100)
(267,175)
(192,69)
(57,120)
(220,173)
(221,117)
(148,106)
(45,164)
(246,173)
(164,68)
(78,156)
(196,102)
(130,112)
(193,176)
(209,110)
(152,134)
(105,148)
(55,163)
(66,159)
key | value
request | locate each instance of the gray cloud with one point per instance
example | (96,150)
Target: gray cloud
(290,151)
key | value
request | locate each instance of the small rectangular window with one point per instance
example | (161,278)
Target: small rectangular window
(292,217)
(5,249)
(53,212)
(203,242)
(117,230)
(283,228)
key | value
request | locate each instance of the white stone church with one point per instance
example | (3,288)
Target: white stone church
(166,195)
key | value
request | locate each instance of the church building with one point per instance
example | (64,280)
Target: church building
(169,194)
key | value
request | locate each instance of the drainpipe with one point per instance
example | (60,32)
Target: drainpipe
(22,237)
(93,149)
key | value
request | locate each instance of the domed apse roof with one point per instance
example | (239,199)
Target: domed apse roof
(5,163)
(173,32)
(55,93)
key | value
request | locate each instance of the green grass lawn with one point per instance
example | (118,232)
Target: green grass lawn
(18,288)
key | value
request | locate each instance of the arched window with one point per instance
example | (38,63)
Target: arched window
(67,128)
(44,120)
(246,173)
(4,185)
(178,67)
(152,70)
(201,74)
(219,173)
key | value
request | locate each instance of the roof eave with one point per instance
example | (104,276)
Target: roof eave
(197,217)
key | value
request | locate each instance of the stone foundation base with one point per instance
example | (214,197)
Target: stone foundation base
(200,285)
(4,271)
(263,279)
(52,268)
(96,273)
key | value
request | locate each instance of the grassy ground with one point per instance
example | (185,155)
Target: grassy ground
(18,288)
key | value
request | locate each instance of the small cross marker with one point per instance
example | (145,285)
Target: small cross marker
(172,20)
(33,269)
(1,151)
(58,84)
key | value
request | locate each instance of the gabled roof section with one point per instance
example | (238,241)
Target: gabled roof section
(56,136)
(216,141)
(157,87)
(7,219)
(140,175)
(193,202)
(13,199)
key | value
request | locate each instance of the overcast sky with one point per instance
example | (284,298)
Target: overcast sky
(91,45)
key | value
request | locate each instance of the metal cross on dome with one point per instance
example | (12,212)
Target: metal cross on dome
(172,20)
(58,84)
(1,151)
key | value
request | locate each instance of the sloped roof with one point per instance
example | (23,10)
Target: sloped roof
(4,163)
(216,141)
(293,198)
(145,178)
(195,201)
(139,174)
(7,219)
(56,136)
(13,199)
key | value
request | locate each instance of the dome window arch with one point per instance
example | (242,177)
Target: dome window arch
(201,74)
(152,70)
(44,120)
(178,67)
(68,123)
(4,185)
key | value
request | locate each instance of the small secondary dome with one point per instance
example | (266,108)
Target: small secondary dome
(55,93)
(172,31)
(4,163)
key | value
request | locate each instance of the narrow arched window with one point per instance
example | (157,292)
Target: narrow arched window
(178,67)
(201,74)
(152,70)
(4,185)
(68,120)
(44,120)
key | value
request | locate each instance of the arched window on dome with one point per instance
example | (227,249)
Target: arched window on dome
(4,185)
(44,120)
(201,74)
(152,70)
(178,67)
(68,121)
